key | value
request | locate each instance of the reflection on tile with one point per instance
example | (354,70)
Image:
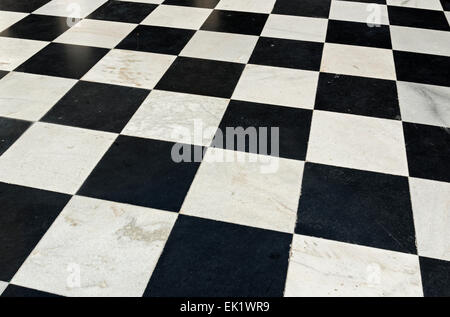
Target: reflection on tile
(358,61)
(342,140)
(319,267)
(70,8)
(8,18)
(130,68)
(420,40)
(426,104)
(28,96)
(359,12)
(241,192)
(53,157)
(278,86)
(167,115)
(114,246)
(14,52)
(177,17)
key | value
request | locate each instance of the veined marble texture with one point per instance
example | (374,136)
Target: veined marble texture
(111,249)
(419,4)
(67,8)
(14,52)
(358,12)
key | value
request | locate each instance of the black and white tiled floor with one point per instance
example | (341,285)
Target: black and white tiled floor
(92,203)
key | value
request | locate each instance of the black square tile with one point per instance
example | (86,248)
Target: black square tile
(422,68)
(123,11)
(157,39)
(142,172)
(293,129)
(287,53)
(210,4)
(235,22)
(309,8)
(211,258)
(418,18)
(25,216)
(445,5)
(428,151)
(201,77)
(37,27)
(97,106)
(353,33)
(19,291)
(358,207)
(10,131)
(22,6)
(357,95)
(3,73)
(63,60)
(435,277)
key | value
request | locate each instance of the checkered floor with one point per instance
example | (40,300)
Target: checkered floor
(93,204)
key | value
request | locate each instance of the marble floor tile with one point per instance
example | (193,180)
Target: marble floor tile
(420,40)
(29,96)
(426,104)
(114,248)
(177,117)
(420,4)
(320,267)
(418,18)
(130,68)
(435,277)
(359,12)
(358,61)
(70,8)
(431,206)
(258,6)
(278,86)
(236,48)
(123,11)
(342,140)
(96,33)
(8,18)
(10,131)
(177,17)
(3,285)
(53,157)
(14,52)
(251,190)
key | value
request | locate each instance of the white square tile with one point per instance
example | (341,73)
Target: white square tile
(358,142)
(8,18)
(220,46)
(70,8)
(278,86)
(431,209)
(29,96)
(145,1)
(14,52)
(54,157)
(113,246)
(259,6)
(296,28)
(320,267)
(252,190)
(358,61)
(420,40)
(177,17)
(177,117)
(370,13)
(130,68)
(447,15)
(3,286)
(426,104)
(96,33)
(419,4)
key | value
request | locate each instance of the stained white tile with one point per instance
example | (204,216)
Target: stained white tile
(259,6)
(220,46)
(296,28)
(29,96)
(113,246)
(8,18)
(3,286)
(177,117)
(426,104)
(319,267)
(130,68)
(70,8)
(96,33)
(252,190)
(370,13)
(431,209)
(358,61)
(358,142)
(177,17)
(14,52)
(54,157)
(420,40)
(419,4)
(278,86)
